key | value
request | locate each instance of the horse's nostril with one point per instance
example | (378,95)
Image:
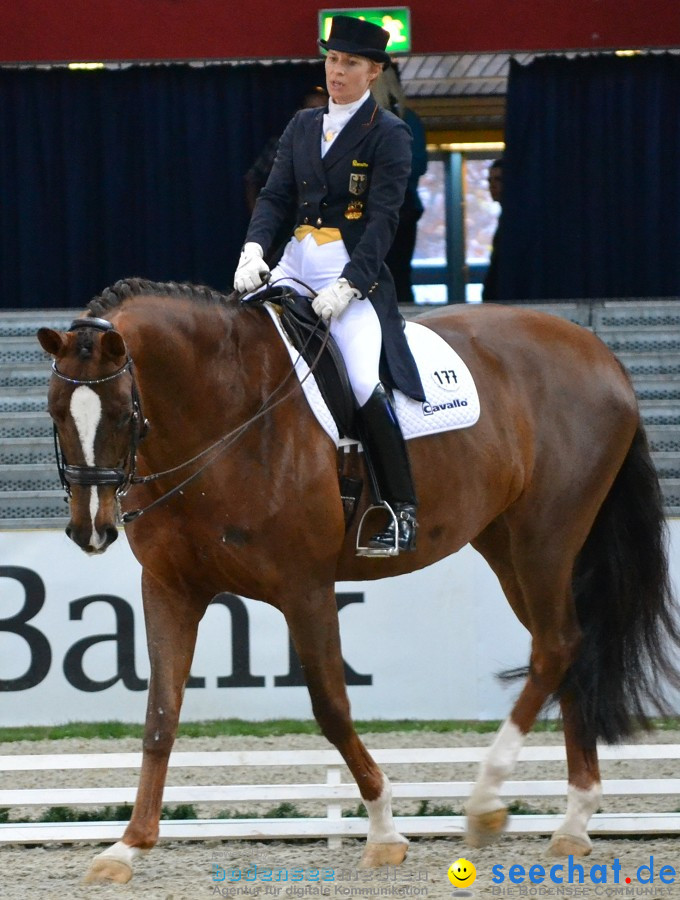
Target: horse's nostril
(69,532)
(111,534)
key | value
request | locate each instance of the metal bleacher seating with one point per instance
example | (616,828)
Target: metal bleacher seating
(30,493)
(644,334)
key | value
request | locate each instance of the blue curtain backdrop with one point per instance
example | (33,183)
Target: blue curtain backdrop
(115,173)
(591,195)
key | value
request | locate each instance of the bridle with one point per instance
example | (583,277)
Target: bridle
(101,476)
(124,477)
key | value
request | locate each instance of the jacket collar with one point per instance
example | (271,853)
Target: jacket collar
(355,130)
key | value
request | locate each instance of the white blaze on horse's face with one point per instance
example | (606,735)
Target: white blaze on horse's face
(86,409)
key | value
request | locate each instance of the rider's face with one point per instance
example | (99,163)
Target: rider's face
(348,77)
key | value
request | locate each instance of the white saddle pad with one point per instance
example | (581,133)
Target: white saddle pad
(452,399)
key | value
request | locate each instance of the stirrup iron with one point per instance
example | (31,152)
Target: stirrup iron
(362,550)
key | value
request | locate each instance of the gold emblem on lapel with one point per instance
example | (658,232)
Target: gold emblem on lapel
(357,183)
(355,209)
(362,165)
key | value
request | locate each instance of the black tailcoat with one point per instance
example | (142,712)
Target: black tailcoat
(357,187)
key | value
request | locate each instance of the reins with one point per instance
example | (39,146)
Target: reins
(124,478)
(223,443)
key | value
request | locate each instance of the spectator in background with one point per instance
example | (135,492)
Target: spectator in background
(490,290)
(256,176)
(389,94)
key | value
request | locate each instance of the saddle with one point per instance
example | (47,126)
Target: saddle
(307,334)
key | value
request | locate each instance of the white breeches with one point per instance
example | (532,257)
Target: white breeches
(357,332)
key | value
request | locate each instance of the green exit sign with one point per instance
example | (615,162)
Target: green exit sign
(396,20)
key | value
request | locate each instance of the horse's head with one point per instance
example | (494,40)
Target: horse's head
(94,405)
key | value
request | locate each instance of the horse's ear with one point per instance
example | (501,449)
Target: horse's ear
(113,345)
(50,340)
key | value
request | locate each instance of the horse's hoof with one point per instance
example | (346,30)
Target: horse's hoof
(376,855)
(108,870)
(484,828)
(569,845)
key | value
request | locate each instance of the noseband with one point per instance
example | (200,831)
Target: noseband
(100,476)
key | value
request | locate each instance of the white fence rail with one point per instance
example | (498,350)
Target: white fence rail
(334,793)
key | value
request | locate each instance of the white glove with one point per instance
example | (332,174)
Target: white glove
(332,301)
(252,270)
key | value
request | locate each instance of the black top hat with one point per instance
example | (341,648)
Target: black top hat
(359,37)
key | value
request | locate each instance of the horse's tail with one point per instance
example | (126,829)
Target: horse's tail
(622,591)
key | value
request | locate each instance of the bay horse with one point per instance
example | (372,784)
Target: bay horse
(554,486)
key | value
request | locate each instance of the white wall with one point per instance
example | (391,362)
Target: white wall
(431,642)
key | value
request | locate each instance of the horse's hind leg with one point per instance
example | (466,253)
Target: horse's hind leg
(314,629)
(585,789)
(537,583)
(171,626)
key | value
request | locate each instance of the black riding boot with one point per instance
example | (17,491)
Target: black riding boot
(382,437)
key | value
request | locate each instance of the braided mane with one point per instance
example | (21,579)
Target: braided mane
(113,296)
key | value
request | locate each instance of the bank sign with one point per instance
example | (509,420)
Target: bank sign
(73,645)
(73,648)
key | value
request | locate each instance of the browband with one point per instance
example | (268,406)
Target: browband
(91,322)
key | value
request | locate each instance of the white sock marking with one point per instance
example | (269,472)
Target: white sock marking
(381,828)
(581,804)
(495,769)
(121,853)
(86,409)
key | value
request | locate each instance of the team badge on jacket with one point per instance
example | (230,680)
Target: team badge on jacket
(355,209)
(357,183)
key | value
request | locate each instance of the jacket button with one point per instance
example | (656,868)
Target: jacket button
(324,204)
(306,222)
(304,184)
(306,203)
(318,221)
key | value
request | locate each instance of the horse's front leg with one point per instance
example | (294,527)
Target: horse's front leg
(313,624)
(171,626)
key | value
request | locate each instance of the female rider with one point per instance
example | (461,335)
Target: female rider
(343,172)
